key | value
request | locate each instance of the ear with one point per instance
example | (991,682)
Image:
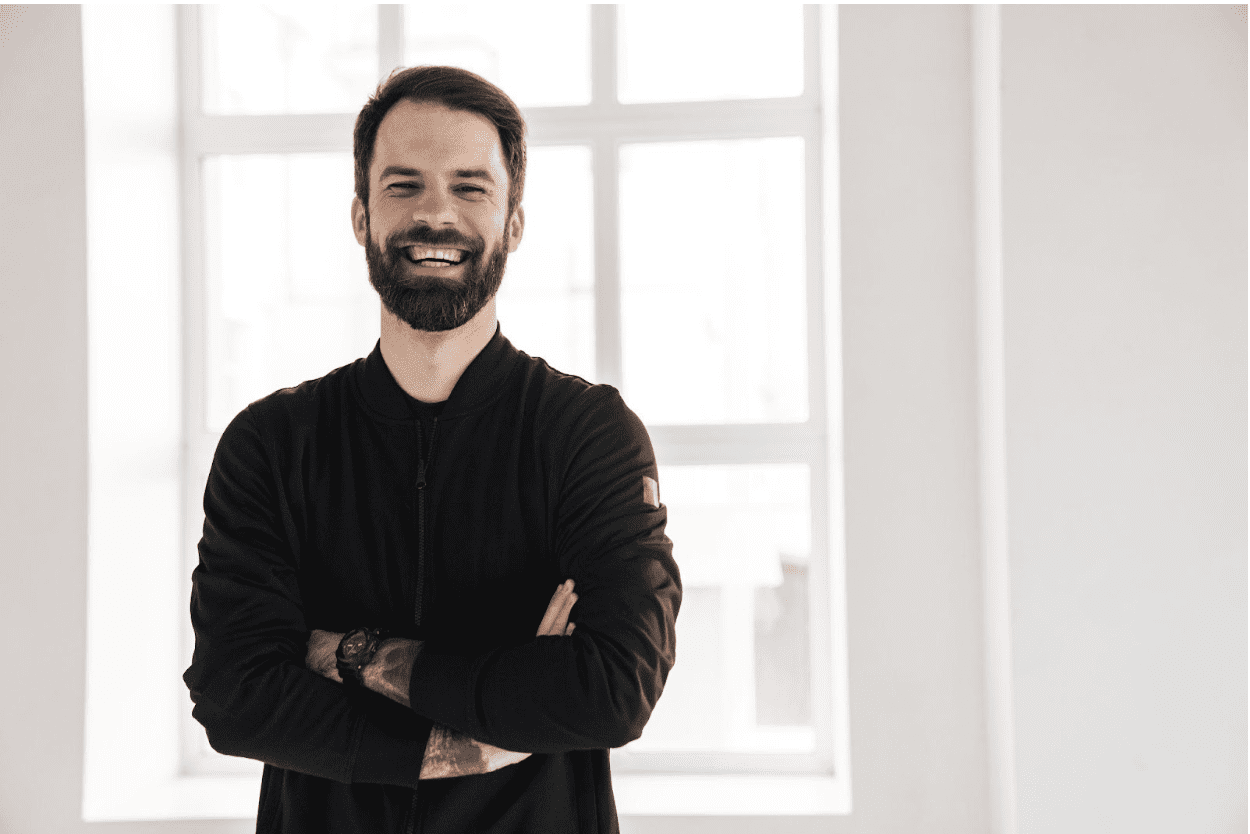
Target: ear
(359,224)
(516,227)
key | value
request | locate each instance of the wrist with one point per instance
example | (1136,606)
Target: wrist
(356,650)
(320,657)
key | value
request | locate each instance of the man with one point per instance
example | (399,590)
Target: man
(373,606)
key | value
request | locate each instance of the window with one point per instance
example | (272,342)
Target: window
(674,249)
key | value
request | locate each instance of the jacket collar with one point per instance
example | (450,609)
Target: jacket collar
(482,381)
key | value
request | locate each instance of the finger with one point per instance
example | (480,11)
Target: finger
(568,631)
(558,616)
(562,618)
(562,589)
(553,608)
(547,626)
(559,610)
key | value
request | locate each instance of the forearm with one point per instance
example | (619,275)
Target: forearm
(255,720)
(547,696)
(452,753)
(592,689)
(387,673)
(275,712)
(447,752)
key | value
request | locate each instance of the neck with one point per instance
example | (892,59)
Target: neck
(428,364)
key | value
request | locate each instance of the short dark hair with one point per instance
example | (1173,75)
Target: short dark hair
(455,89)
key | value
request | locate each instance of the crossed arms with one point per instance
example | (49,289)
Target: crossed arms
(448,752)
(254,607)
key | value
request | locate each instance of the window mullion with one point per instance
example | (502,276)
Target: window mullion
(603,61)
(812,54)
(390,38)
(277,133)
(608,336)
(606,179)
(745,443)
(813,163)
(672,122)
(192,225)
(193,296)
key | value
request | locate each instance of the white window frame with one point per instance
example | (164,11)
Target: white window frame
(646,782)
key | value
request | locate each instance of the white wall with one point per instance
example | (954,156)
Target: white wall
(43,431)
(908,293)
(43,421)
(1124,170)
(1125,255)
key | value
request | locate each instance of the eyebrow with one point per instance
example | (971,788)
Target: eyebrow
(475,173)
(460,173)
(398,171)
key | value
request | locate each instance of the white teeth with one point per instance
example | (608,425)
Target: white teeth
(419,254)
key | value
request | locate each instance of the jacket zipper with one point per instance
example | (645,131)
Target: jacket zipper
(422,460)
(412,813)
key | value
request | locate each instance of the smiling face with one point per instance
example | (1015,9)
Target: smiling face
(436,231)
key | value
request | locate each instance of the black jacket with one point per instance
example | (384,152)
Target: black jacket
(316,517)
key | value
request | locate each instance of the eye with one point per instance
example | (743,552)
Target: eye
(403,186)
(470,189)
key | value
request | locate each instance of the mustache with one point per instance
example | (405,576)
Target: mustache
(425,236)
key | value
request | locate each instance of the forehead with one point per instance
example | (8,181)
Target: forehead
(435,139)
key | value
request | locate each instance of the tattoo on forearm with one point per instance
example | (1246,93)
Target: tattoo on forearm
(450,753)
(390,670)
(447,752)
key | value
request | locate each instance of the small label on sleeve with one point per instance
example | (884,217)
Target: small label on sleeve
(650,491)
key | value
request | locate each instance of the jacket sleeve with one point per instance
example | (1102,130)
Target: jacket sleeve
(247,677)
(597,688)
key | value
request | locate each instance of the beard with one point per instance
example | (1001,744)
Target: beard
(431,302)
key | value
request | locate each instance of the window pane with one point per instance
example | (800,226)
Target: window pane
(713,281)
(546,301)
(288,292)
(742,537)
(677,52)
(539,58)
(288,57)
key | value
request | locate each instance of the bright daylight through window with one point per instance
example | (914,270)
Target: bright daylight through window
(673,248)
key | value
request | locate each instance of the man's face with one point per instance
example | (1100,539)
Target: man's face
(436,231)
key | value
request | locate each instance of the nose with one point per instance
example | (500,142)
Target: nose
(434,208)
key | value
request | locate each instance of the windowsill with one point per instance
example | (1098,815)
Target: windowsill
(176,798)
(235,797)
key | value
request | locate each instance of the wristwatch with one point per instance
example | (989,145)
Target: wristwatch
(355,650)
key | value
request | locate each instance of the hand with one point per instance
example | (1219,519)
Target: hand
(556,621)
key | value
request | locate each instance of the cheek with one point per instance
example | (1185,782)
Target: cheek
(491,222)
(381,224)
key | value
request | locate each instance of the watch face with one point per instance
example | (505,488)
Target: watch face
(354,645)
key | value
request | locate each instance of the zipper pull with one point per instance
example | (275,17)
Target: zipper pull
(421,475)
